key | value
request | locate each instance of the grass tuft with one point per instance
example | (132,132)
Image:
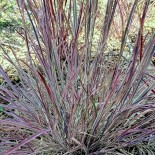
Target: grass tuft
(68,100)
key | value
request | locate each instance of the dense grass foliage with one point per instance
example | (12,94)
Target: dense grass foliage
(73,103)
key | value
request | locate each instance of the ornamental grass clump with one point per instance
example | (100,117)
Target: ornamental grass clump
(68,101)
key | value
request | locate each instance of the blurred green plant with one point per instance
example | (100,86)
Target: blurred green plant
(1,109)
(7,9)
